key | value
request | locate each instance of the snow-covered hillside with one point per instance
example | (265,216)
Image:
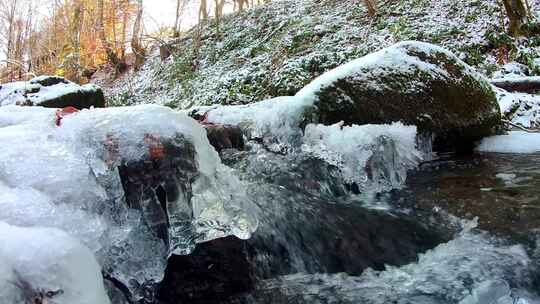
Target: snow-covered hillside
(275,50)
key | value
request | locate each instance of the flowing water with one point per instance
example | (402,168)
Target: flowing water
(463,230)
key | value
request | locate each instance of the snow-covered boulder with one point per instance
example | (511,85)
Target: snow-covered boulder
(412,82)
(51,92)
(134,184)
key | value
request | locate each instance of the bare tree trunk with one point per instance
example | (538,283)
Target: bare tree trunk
(9,49)
(113,25)
(517,13)
(18,49)
(111,55)
(203,11)
(529,84)
(241,4)
(136,45)
(371,7)
(124,29)
(177,19)
(28,36)
(218,7)
(75,32)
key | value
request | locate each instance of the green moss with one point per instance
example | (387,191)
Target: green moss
(301,41)
(472,17)
(527,57)
(498,37)
(181,70)
(119,100)
(474,54)
(257,50)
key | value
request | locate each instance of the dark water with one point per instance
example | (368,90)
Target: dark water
(318,243)
(502,190)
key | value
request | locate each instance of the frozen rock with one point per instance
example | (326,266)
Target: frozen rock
(275,122)
(224,136)
(134,184)
(512,70)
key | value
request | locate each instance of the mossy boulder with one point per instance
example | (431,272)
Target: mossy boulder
(416,83)
(51,92)
(84,97)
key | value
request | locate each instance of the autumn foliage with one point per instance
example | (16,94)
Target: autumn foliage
(64,37)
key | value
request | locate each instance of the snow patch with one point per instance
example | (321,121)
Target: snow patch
(47,261)
(520,108)
(513,142)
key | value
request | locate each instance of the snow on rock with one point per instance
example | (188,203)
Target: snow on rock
(134,184)
(512,70)
(392,59)
(520,108)
(513,142)
(46,265)
(414,82)
(52,92)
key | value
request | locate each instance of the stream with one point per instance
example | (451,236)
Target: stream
(464,229)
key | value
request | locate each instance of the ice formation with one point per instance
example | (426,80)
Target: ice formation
(513,142)
(274,121)
(68,177)
(46,265)
(374,157)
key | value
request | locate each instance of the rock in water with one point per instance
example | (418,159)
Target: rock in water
(224,136)
(412,82)
(51,92)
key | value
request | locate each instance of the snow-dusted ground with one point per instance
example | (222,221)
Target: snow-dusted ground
(276,50)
